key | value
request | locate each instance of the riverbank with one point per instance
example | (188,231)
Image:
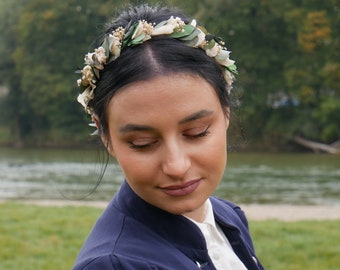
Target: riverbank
(253,211)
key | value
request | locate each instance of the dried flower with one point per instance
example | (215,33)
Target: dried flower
(190,34)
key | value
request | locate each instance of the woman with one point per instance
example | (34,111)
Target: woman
(158,90)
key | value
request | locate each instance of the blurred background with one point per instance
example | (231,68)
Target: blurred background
(287,90)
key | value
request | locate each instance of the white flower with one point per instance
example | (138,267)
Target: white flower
(223,58)
(88,59)
(201,39)
(100,55)
(97,59)
(214,50)
(115,45)
(112,45)
(143,28)
(87,76)
(169,27)
(138,31)
(229,77)
(85,97)
(193,23)
(81,99)
(79,81)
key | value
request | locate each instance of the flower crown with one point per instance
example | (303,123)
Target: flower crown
(190,34)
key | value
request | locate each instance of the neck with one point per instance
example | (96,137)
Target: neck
(198,214)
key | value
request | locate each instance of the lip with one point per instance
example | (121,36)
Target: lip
(182,190)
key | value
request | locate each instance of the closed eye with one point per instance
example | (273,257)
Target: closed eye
(142,144)
(193,134)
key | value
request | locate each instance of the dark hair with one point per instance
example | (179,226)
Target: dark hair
(158,56)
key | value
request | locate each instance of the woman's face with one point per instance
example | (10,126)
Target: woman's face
(169,136)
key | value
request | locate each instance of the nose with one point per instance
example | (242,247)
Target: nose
(176,161)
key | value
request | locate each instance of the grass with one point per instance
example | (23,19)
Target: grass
(37,237)
(48,238)
(312,245)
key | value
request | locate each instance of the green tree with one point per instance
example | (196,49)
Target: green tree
(286,52)
(13,108)
(52,36)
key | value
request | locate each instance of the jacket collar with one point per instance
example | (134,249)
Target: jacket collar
(168,225)
(178,230)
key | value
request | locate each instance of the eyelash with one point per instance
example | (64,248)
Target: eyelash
(200,135)
(205,133)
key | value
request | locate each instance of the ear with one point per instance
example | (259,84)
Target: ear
(104,137)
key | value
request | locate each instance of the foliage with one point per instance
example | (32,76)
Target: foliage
(50,237)
(286,52)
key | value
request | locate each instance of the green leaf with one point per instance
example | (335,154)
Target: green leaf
(232,69)
(187,30)
(127,37)
(210,44)
(191,42)
(106,47)
(138,40)
(193,35)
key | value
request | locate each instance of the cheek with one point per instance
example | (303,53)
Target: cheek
(136,168)
(218,151)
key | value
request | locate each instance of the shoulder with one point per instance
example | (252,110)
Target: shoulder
(101,241)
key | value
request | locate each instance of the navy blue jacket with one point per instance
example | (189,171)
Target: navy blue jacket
(132,234)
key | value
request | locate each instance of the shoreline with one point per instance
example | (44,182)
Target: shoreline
(255,212)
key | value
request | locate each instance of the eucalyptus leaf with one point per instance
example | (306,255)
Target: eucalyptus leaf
(187,30)
(232,69)
(127,37)
(138,40)
(191,36)
(191,42)
(210,44)
(106,46)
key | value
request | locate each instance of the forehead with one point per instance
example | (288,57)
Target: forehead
(161,97)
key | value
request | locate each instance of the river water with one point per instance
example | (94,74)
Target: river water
(299,179)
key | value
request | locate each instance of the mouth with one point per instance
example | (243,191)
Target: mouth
(182,190)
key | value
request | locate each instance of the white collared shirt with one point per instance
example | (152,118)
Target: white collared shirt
(219,248)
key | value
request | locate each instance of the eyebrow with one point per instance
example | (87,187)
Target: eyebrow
(133,127)
(195,116)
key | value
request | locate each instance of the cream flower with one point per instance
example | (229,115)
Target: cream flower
(229,77)
(194,36)
(79,82)
(193,23)
(214,51)
(143,28)
(115,45)
(138,31)
(85,97)
(87,76)
(200,39)
(97,59)
(100,55)
(223,58)
(172,25)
